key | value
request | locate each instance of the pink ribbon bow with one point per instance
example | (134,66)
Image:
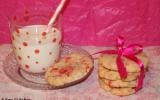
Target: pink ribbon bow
(128,52)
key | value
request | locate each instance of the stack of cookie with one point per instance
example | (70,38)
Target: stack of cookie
(109,77)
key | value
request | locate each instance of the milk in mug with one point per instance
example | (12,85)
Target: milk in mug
(35,49)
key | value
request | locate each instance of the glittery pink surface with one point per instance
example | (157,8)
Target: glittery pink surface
(87,90)
(95,22)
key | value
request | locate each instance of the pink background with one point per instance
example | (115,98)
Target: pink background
(96,22)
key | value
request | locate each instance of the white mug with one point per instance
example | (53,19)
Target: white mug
(35,50)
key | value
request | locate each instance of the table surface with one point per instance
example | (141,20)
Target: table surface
(87,90)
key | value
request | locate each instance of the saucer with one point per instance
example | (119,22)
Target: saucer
(37,81)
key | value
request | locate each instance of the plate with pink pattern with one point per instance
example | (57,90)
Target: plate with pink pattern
(37,81)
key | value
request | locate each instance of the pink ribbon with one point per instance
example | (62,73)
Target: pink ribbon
(128,52)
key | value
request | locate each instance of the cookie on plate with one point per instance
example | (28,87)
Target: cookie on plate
(116,91)
(69,69)
(109,61)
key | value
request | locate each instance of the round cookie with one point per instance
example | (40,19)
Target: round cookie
(114,75)
(69,69)
(120,83)
(116,91)
(109,62)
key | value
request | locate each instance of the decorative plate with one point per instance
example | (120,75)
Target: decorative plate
(37,81)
